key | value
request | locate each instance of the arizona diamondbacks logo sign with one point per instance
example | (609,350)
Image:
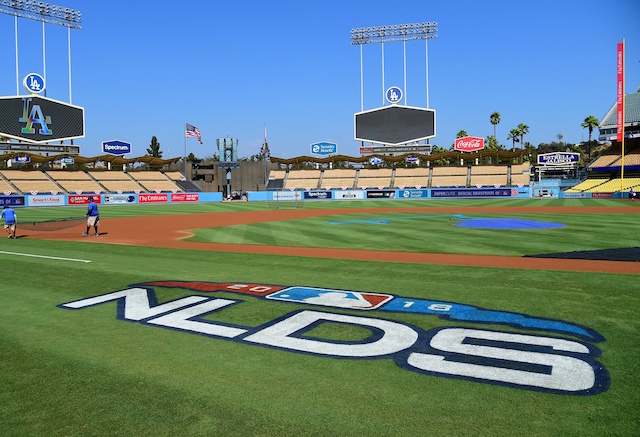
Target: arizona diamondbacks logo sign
(564,363)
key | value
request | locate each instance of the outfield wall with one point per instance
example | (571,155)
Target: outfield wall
(107,199)
(412,193)
(312,195)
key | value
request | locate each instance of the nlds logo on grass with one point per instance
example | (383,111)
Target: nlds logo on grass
(561,363)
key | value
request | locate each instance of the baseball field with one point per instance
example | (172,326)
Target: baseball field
(369,318)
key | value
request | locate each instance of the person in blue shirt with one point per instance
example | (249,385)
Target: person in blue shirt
(10,220)
(93,217)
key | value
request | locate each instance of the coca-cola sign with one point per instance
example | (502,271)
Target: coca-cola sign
(469,144)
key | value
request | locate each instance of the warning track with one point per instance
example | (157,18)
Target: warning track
(171,231)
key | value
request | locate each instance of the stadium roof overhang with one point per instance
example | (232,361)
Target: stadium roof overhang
(465,156)
(113,159)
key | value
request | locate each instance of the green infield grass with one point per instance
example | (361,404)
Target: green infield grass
(70,372)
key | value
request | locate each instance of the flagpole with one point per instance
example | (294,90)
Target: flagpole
(185,150)
(264,155)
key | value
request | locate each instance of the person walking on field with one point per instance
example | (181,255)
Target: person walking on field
(93,217)
(10,220)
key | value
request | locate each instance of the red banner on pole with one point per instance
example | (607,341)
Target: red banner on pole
(620,100)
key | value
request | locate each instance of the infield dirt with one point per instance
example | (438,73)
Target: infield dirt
(171,232)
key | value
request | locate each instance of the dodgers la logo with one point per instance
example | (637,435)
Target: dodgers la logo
(564,363)
(34,116)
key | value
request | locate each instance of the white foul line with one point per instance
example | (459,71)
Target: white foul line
(47,257)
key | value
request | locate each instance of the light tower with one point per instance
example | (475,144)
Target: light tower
(47,13)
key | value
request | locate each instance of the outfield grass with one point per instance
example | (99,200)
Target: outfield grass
(433,233)
(84,372)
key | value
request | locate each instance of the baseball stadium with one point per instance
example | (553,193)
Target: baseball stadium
(401,292)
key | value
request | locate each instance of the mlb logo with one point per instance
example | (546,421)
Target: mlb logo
(332,298)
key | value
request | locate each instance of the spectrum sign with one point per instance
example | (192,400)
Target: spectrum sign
(116,147)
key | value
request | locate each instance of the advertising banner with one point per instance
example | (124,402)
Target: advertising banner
(153,198)
(317,194)
(381,194)
(286,195)
(575,195)
(348,194)
(184,197)
(602,195)
(116,147)
(46,200)
(480,192)
(559,158)
(324,148)
(119,198)
(12,200)
(413,194)
(83,199)
(469,144)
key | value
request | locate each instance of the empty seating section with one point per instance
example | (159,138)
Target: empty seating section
(448,181)
(75,181)
(489,180)
(604,161)
(5,187)
(374,178)
(338,178)
(277,174)
(521,174)
(154,181)
(27,175)
(632,159)
(489,170)
(521,169)
(28,181)
(520,179)
(302,179)
(449,171)
(616,184)
(411,177)
(174,175)
(489,175)
(87,182)
(586,185)
(449,177)
(115,181)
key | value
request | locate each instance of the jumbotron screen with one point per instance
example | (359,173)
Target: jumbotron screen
(393,125)
(38,120)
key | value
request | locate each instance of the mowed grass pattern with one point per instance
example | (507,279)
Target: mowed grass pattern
(434,233)
(83,372)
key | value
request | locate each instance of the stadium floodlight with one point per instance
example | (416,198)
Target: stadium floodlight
(397,32)
(41,11)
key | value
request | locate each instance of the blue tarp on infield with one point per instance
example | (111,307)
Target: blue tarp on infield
(507,223)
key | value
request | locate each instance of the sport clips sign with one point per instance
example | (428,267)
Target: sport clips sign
(564,363)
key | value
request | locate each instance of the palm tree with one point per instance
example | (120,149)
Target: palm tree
(495,119)
(523,129)
(560,137)
(590,122)
(514,135)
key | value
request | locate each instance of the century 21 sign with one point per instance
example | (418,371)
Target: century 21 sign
(38,119)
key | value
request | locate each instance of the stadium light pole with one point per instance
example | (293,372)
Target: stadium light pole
(398,32)
(46,13)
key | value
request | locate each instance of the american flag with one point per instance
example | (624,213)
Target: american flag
(192,131)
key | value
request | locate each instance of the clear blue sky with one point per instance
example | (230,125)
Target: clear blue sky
(143,68)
